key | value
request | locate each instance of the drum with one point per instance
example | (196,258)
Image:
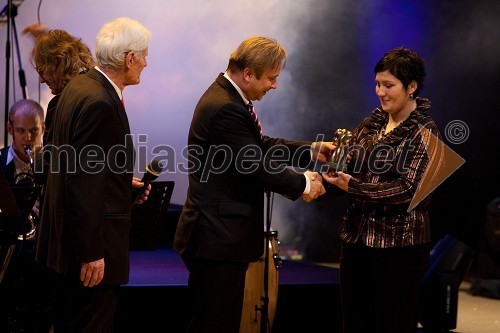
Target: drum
(254,288)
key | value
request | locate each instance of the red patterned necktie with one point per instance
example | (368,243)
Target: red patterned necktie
(254,117)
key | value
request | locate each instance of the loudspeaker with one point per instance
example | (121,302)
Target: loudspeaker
(449,261)
(492,226)
(488,281)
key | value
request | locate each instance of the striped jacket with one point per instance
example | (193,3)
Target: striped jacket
(387,172)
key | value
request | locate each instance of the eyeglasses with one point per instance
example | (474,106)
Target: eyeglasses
(40,71)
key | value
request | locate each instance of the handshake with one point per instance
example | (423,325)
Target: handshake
(321,152)
(335,154)
(316,188)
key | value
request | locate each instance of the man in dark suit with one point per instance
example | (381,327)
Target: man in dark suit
(221,227)
(19,292)
(84,231)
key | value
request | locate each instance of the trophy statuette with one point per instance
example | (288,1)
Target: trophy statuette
(338,159)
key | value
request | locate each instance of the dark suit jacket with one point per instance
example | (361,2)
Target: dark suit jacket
(51,108)
(87,205)
(9,170)
(222,217)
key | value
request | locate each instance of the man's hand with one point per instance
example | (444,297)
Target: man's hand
(136,183)
(322,151)
(91,273)
(317,187)
(35,29)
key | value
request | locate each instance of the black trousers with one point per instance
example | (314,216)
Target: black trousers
(84,309)
(216,290)
(380,288)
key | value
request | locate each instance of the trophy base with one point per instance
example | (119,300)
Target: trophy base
(335,167)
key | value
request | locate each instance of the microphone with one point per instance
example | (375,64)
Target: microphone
(153,171)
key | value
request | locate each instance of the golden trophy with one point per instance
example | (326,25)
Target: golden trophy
(338,159)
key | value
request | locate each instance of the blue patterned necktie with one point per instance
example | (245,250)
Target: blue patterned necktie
(254,117)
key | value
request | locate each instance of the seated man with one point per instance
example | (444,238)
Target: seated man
(26,125)
(20,287)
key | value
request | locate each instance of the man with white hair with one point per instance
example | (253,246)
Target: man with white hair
(86,216)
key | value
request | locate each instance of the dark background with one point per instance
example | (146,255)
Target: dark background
(333,70)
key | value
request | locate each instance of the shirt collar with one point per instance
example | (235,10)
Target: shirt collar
(10,154)
(118,91)
(237,88)
(20,165)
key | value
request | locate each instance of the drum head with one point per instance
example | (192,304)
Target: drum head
(254,289)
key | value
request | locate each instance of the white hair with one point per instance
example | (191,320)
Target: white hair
(118,37)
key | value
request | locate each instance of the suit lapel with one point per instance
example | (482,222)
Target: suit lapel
(8,169)
(236,96)
(95,74)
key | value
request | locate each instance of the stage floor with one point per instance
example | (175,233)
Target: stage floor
(308,296)
(164,267)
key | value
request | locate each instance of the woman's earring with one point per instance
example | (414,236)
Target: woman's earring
(411,96)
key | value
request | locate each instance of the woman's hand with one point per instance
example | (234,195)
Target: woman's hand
(339,179)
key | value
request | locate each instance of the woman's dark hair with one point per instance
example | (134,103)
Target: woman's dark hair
(404,64)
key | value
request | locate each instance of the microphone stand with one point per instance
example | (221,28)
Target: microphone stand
(264,318)
(11,12)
